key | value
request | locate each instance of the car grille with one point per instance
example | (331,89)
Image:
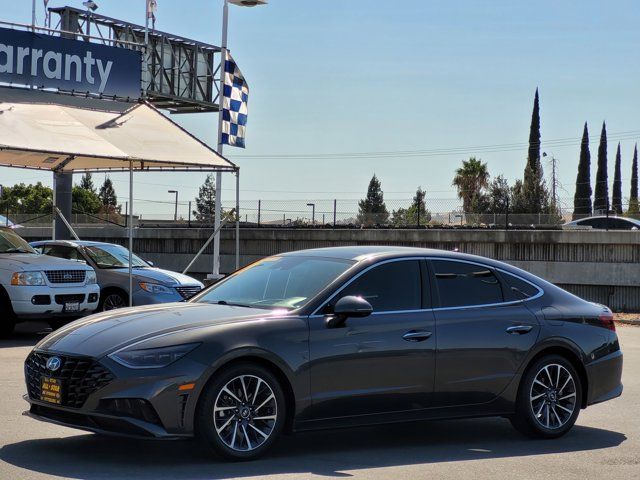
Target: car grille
(62,299)
(65,276)
(80,377)
(188,292)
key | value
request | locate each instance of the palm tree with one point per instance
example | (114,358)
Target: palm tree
(470,179)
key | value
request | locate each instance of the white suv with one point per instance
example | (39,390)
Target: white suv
(39,286)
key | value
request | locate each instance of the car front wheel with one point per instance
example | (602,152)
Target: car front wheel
(549,399)
(241,412)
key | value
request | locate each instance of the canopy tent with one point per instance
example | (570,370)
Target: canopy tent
(68,134)
(71,134)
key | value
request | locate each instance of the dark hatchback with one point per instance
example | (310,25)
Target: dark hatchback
(332,338)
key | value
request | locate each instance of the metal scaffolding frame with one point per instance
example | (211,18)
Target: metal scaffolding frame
(178,74)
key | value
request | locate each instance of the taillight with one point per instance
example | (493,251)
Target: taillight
(606,319)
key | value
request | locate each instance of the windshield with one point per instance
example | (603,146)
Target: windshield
(113,256)
(13,243)
(277,282)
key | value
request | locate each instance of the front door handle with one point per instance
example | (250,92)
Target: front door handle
(519,329)
(416,335)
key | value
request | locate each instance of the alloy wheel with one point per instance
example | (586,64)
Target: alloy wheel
(245,413)
(113,301)
(553,396)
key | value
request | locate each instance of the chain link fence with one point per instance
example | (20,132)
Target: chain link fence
(318,213)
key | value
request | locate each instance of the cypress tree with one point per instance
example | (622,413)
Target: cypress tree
(616,196)
(633,198)
(535,197)
(533,159)
(582,197)
(601,197)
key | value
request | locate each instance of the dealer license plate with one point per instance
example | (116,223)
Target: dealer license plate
(72,307)
(51,390)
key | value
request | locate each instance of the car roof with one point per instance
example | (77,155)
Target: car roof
(71,243)
(366,252)
(625,219)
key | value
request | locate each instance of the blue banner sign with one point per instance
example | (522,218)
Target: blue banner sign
(45,61)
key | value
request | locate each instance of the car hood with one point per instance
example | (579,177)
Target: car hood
(33,261)
(158,275)
(100,334)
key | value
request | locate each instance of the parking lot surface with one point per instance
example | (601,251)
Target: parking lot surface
(605,443)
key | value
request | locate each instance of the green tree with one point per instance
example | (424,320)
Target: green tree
(497,198)
(469,180)
(206,201)
(616,196)
(601,196)
(86,183)
(85,201)
(107,194)
(372,209)
(582,197)
(633,198)
(22,198)
(534,194)
(416,214)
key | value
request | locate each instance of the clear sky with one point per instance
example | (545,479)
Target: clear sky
(352,76)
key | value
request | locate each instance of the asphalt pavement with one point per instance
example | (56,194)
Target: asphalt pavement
(605,443)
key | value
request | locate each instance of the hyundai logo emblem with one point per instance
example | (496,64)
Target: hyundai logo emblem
(67,277)
(54,364)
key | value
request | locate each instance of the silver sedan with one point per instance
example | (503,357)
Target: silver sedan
(111,263)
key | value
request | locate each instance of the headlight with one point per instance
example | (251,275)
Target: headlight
(91,278)
(27,278)
(151,357)
(155,288)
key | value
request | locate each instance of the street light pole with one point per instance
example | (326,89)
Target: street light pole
(313,212)
(175,212)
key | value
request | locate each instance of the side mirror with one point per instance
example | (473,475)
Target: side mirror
(150,263)
(349,306)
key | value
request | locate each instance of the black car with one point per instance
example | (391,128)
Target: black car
(331,338)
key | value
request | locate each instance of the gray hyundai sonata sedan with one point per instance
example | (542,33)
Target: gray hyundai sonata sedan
(329,338)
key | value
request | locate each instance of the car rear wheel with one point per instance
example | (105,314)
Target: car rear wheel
(549,398)
(113,299)
(241,412)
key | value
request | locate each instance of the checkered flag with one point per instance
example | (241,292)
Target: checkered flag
(234,106)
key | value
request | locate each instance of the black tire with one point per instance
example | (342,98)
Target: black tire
(549,398)
(8,319)
(112,299)
(232,425)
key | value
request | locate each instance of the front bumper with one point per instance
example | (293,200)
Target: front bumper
(168,411)
(22,300)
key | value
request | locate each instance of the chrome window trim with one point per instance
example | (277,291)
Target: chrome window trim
(428,258)
(502,270)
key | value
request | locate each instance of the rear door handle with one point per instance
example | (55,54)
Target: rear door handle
(416,335)
(519,329)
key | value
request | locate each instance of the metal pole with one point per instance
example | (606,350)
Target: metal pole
(237,219)
(189,214)
(335,206)
(53,210)
(206,244)
(175,211)
(259,208)
(130,233)
(218,207)
(33,15)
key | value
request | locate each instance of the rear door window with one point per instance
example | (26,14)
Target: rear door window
(462,284)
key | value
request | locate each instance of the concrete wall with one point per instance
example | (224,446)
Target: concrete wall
(598,265)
